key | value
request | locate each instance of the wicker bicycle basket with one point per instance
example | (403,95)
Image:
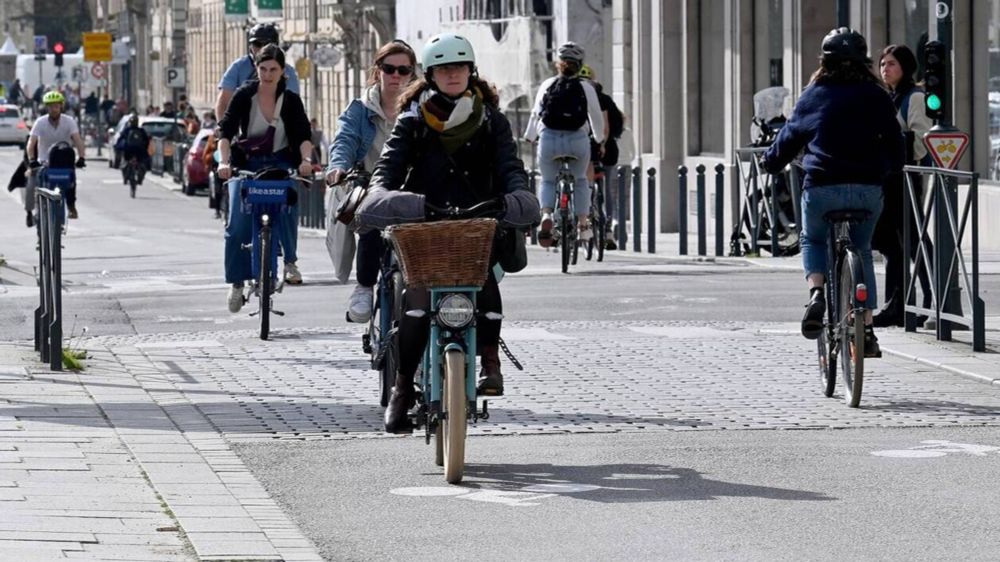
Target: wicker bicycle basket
(444,253)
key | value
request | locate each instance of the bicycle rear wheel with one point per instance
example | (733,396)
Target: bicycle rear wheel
(826,350)
(264,285)
(564,239)
(852,334)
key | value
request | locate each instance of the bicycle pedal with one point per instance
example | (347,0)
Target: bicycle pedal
(278,312)
(255,313)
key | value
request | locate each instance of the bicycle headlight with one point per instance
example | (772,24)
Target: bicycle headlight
(455,311)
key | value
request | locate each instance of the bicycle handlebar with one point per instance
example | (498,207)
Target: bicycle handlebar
(292,173)
(491,208)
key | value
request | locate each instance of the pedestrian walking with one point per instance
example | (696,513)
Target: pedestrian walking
(898,65)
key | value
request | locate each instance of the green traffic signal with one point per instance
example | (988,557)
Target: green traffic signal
(933,102)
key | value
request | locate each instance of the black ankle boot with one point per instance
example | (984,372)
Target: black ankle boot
(812,321)
(397,417)
(891,314)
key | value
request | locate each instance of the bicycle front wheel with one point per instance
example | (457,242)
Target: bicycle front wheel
(454,408)
(564,241)
(265,283)
(390,340)
(850,314)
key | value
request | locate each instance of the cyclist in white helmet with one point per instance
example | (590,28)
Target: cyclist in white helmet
(48,131)
(566,114)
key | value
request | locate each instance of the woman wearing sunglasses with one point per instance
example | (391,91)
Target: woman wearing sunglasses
(362,129)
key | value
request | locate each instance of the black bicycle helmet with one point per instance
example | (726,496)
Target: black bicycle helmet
(844,44)
(263,34)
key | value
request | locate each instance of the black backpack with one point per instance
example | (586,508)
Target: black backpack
(564,105)
(61,155)
(136,138)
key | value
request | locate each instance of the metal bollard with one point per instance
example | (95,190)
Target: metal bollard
(719,207)
(636,209)
(622,181)
(651,210)
(682,203)
(700,201)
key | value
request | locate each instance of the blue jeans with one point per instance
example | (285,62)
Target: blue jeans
(816,202)
(240,232)
(554,143)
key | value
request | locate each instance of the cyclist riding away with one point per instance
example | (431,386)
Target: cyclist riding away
(846,124)
(47,131)
(565,116)
(273,132)
(606,154)
(239,72)
(134,142)
(451,146)
(362,130)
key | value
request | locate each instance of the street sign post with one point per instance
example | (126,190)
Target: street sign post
(946,147)
(97,47)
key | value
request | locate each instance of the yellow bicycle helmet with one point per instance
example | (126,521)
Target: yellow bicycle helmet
(586,72)
(53,97)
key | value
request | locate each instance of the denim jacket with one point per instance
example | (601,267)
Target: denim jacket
(356,128)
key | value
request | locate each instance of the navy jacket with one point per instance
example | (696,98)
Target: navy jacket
(849,132)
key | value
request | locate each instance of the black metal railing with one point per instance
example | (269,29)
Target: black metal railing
(48,315)
(941,226)
(312,204)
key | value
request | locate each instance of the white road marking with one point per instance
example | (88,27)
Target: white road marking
(934,448)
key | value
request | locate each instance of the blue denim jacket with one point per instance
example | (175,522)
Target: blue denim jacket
(355,134)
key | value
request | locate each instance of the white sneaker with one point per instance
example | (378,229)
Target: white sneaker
(359,307)
(292,275)
(236,298)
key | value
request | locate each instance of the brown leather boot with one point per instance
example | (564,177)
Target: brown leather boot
(490,378)
(397,418)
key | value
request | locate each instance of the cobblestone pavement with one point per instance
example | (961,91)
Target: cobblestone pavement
(580,377)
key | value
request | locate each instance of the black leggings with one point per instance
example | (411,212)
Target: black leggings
(413,332)
(888,239)
(368,259)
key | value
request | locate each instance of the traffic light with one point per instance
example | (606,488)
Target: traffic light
(58,49)
(935,79)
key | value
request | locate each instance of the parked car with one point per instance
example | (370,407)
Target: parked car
(157,127)
(13,129)
(194,175)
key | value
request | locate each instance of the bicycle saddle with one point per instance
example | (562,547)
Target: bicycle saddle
(848,215)
(564,158)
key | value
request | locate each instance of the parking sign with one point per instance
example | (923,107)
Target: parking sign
(41,44)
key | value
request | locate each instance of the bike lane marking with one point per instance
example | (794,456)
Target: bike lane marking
(936,448)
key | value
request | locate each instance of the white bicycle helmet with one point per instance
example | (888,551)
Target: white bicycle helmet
(447,48)
(570,51)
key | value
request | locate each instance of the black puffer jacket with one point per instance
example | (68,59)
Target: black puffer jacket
(414,161)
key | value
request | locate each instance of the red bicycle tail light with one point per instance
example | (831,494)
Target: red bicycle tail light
(861,293)
(563,201)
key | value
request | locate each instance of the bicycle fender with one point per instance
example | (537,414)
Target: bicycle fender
(453,346)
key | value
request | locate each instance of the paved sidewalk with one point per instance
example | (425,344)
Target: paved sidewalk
(111,464)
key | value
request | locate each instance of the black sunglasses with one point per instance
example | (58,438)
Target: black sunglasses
(403,70)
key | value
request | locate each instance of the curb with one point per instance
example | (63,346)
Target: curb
(945,367)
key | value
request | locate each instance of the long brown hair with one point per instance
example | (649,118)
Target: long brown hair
(394,47)
(413,91)
(844,72)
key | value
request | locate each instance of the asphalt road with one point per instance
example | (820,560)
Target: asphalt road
(645,375)
(753,495)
